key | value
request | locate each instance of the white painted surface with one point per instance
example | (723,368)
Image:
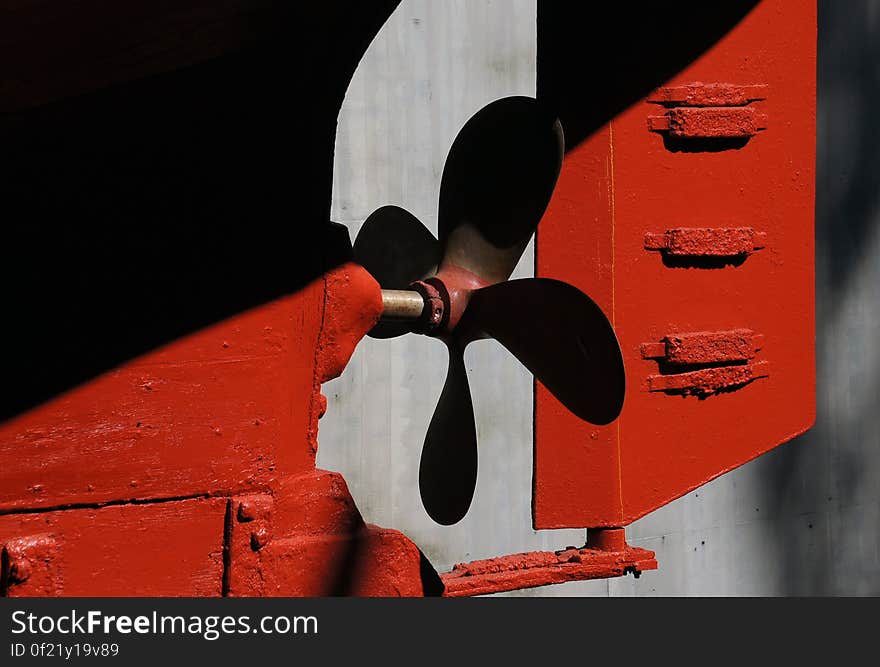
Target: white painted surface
(431,67)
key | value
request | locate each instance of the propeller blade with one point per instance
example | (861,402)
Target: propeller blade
(396,249)
(560,335)
(497,181)
(448,468)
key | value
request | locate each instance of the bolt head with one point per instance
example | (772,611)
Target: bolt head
(20,570)
(259,538)
(247,511)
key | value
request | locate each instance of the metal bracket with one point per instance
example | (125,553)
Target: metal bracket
(709,111)
(725,360)
(706,241)
(606,555)
(709,122)
(705,347)
(709,380)
(699,94)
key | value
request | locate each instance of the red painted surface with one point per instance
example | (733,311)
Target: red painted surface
(308,539)
(705,347)
(708,381)
(707,241)
(709,122)
(709,111)
(166,549)
(702,94)
(625,182)
(204,415)
(607,539)
(190,471)
(540,568)
(29,563)
(226,410)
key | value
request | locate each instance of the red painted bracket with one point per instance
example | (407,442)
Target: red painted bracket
(708,381)
(717,348)
(705,347)
(709,111)
(699,94)
(540,568)
(709,122)
(706,241)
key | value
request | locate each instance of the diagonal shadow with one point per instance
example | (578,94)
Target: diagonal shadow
(596,59)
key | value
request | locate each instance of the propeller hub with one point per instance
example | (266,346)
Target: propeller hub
(433,310)
(453,286)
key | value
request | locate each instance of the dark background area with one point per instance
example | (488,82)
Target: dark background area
(149,209)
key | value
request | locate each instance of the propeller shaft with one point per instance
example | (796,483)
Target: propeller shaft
(398,304)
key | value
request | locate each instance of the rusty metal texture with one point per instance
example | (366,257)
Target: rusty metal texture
(434,307)
(540,568)
(707,381)
(699,94)
(705,347)
(706,241)
(709,110)
(709,122)
(725,352)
